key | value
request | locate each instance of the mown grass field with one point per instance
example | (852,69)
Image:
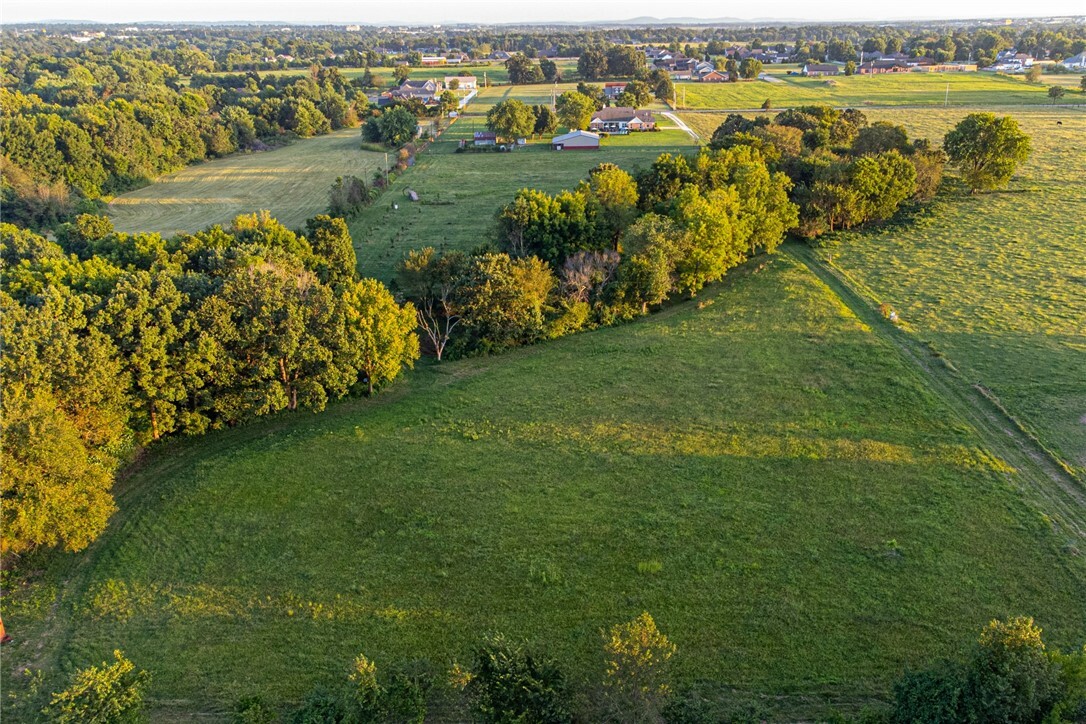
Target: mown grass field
(461,192)
(757,470)
(905,89)
(292,182)
(997,281)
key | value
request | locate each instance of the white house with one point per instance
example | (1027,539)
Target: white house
(1075,62)
(464,82)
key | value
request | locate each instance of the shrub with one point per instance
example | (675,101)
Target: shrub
(253,710)
(110,693)
(637,667)
(509,684)
(320,706)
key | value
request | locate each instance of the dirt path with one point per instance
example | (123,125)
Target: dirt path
(1040,475)
(681,126)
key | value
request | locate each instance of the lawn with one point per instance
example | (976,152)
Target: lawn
(461,192)
(997,282)
(921,89)
(757,469)
(292,182)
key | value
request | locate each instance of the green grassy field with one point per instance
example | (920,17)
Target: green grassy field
(757,470)
(461,192)
(906,89)
(997,282)
(292,182)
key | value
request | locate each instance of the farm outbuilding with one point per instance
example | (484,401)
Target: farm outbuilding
(576,141)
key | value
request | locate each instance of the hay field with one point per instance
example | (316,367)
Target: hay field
(292,182)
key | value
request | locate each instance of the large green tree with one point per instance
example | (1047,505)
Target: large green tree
(379,333)
(987,150)
(575,109)
(511,119)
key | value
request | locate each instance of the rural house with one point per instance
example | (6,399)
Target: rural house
(713,76)
(576,141)
(622,120)
(1077,62)
(464,82)
(614,90)
(817,70)
(422,90)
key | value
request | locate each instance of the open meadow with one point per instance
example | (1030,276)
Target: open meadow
(292,182)
(757,469)
(997,282)
(904,89)
(461,192)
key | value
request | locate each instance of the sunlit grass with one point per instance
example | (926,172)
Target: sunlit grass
(764,476)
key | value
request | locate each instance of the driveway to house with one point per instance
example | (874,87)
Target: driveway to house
(681,126)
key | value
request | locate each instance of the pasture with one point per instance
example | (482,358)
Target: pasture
(997,282)
(757,469)
(461,192)
(904,89)
(292,182)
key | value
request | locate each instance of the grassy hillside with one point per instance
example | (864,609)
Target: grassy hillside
(292,182)
(929,89)
(997,282)
(757,470)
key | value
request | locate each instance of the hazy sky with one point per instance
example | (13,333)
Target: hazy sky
(503,11)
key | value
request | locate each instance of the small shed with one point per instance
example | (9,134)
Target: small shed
(576,141)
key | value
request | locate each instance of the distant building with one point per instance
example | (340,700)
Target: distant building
(947,68)
(434,60)
(816,70)
(713,76)
(622,120)
(614,90)
(576,141)
(421,90)
(878,67)
(1075,62)
(464,82)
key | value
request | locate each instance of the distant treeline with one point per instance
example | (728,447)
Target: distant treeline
(111,340)
(225,48)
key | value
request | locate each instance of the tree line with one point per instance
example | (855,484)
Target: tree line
(846,172)
(109,341)
(611,249)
